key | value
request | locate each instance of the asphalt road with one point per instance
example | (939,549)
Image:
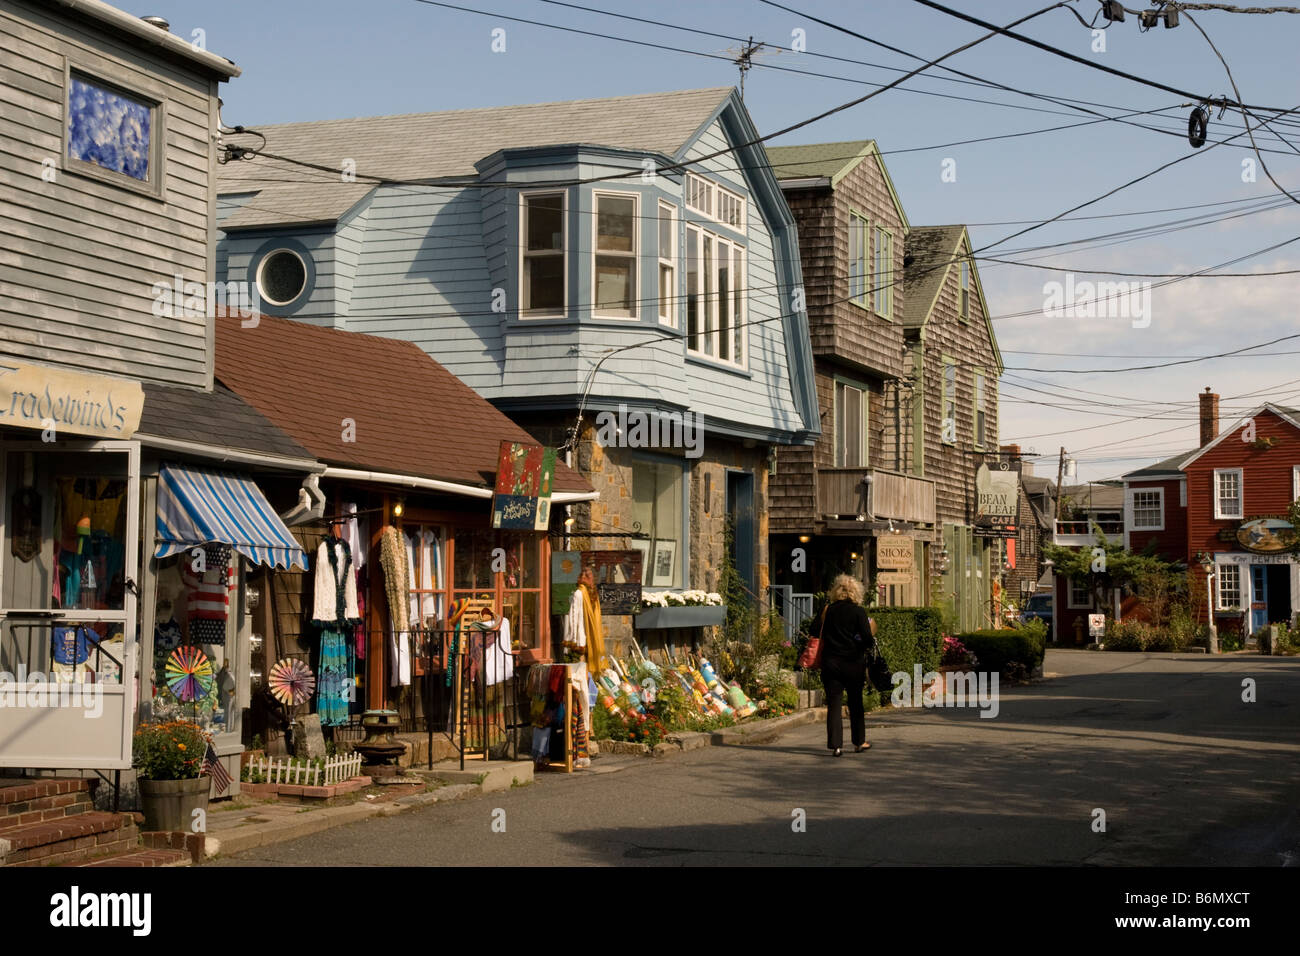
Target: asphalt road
(1186,772)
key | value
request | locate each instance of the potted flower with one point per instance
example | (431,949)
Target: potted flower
(168,760)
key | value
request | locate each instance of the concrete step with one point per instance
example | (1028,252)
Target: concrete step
(68,840)
(138,858)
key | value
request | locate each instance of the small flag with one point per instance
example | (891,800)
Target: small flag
(215,769)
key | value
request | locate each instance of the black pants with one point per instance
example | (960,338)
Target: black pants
(840,677)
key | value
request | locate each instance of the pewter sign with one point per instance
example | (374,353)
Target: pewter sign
(73,402)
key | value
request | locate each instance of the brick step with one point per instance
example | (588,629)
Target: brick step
(15,792)
(45,808)
(68,840)
(142,858)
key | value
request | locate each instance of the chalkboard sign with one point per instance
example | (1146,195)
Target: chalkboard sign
(618,579)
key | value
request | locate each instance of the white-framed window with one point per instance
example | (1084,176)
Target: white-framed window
(113,133)
(715,296)
(948,425)
(859,272)
(1295,482)
(884,273)
(980,421)
(667,264)
(542,283)
(965,291)
(719,204)
(614,255)
(1228,493)
(1147,507)
(1080,596)
(850,425)
(1229,586)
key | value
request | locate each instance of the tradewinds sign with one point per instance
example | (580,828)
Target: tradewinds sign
(997,502)
(77,403)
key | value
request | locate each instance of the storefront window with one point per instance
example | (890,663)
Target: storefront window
(426,549)
(657,492)
(194,659)
(506,567)
(65,524)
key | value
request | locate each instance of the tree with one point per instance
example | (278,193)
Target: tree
(1106,565)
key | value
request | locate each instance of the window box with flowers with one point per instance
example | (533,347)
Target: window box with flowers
(664,609)
(168,760)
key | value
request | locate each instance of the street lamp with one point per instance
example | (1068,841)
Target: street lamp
(1207,565)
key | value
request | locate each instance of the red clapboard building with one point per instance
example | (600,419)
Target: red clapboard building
(1227,499)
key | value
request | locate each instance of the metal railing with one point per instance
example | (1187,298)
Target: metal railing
(478,706)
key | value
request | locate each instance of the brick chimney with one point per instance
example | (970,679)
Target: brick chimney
(1209,416)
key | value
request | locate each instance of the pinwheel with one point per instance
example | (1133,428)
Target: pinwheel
(189,674)
(291,681)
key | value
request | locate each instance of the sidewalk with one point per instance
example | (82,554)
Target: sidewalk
(246,823)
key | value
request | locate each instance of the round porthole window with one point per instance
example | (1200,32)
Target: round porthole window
(281,277)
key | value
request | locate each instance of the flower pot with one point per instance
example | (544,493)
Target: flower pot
(170,804)
(688,616)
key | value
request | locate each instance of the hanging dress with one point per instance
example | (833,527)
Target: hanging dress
(336,614)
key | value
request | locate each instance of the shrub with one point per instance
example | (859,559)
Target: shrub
(955,653)
(649,731)
(909,635)
(170,751)
(671,705)
(782,699)
(997,649)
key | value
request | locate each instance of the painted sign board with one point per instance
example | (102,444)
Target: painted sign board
(75,403)
(522,498)
(894,554)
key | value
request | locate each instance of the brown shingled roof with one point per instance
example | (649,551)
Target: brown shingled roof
(413,417)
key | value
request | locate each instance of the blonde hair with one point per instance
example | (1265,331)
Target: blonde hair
(845,588)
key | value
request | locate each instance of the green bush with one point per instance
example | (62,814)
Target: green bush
(671,705)
(908,636)
(999,649)
(782,699)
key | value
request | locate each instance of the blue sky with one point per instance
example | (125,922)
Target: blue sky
(328,59)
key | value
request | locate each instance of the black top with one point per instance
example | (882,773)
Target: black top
(845,631)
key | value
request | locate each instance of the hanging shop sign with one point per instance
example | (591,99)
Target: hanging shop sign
(894,554)
(997,501)
(75,403)
(1266,535)
(522,499)
(618,579)
(896,578)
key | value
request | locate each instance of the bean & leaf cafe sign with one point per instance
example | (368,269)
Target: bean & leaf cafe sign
(997,502)
(75,403)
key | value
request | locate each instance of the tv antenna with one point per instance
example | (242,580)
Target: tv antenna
(743,57)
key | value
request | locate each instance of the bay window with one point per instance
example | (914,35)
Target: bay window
(715,296)
(667,265)
(542,242)
(615,256)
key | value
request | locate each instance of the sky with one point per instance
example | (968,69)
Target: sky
(1073,379)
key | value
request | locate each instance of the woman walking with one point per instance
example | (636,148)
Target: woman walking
(847,638)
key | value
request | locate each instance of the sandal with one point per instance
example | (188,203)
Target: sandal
(861,747)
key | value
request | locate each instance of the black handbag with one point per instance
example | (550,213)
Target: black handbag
(882,679)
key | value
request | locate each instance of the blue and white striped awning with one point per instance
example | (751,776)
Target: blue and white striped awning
(196,506)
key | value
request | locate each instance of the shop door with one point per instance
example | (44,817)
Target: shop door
(740,511)
(69,567)
(1279,593)
(1258,596)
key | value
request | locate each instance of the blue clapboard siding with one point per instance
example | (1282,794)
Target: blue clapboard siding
(421,263)
(239,250)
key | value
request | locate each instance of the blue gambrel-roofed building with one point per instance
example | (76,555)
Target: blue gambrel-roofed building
(521,246)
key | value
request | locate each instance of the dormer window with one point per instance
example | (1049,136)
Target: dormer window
(541,283)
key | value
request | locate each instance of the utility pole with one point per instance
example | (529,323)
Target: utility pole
(1060,471)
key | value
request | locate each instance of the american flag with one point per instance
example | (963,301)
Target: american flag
(215,769)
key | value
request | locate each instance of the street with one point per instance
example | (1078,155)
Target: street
(1186,772)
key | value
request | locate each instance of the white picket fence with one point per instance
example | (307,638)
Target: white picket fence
(284,770)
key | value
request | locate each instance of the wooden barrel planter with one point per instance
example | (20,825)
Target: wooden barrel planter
(170,804)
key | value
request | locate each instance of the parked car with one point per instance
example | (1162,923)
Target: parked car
(1038,606)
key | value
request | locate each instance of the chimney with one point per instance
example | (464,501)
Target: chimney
(1209,416)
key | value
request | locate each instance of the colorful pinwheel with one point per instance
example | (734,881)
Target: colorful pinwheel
(189,674)
(291,681)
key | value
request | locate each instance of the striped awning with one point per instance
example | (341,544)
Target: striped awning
(197,506)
